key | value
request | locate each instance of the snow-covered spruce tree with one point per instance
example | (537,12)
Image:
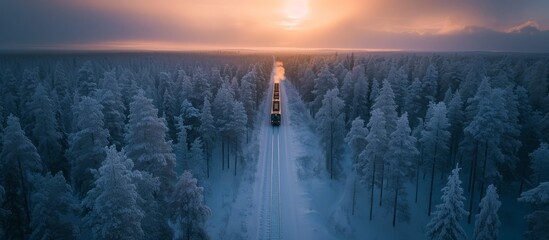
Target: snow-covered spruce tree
(361,103)
(147,147)
(330,121)
(87,144)
(189,210)
(538,219)
(221,110)
(110,97)
(238,125)
(445,222)
(248,92)
(540,163)
(413,101)
(377,141)
(53,205)
(487,221)
(324,82)
(114,212)
(356,139)
(486,130)
(30,81)
(347,93)
(197,159)
(386,103)
(456,116)
(207,131)
(86,80)
(400,168)
(19,166)
(45,133)
(399,83)
(146,143)
(181,148)
(434,141)
(429,85)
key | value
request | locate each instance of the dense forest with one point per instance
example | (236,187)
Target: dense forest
(96,145)
(109,142)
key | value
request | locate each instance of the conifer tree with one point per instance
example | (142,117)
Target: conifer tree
(19,165)
(46,135)
(189,210)
(445,222)
(487,221)
(207,131)
(146,143)
(377,141)
(434,141)
(538,219)
(400,167)
(540,163)
(53,203)
(330,123)
(87,143)
(114,212)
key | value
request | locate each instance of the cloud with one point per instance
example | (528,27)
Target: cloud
(529,27)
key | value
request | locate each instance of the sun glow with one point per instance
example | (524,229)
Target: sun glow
(295,12)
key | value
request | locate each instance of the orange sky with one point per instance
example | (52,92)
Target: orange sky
(191,24)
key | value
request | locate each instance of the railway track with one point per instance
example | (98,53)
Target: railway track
(269,224)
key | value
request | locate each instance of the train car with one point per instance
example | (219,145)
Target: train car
(276,111)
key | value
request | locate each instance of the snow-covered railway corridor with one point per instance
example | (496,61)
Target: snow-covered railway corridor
(269,226)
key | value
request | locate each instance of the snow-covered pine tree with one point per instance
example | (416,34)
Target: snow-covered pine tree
(114,212)
(399,83)
(189,210)
(400,168)
(377,141)
(181,148)
(434,141)
(197,159)
(331,126)
(87,143)
(487,221)
(429,85)
(456,116)
(386,103)
(53,205)
(445,222)
(146,143)
(538,219)
(86,80)
(324,82)
(356,139)
(248,92)
(110,97)
(221,110)
(238,126)
(413,101)
(486,130)
(207,131)
(360,104)
(45,133)
(540,163)
(19,165)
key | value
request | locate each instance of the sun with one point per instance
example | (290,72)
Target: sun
(295,12)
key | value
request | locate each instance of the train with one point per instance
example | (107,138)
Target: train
(276,111)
